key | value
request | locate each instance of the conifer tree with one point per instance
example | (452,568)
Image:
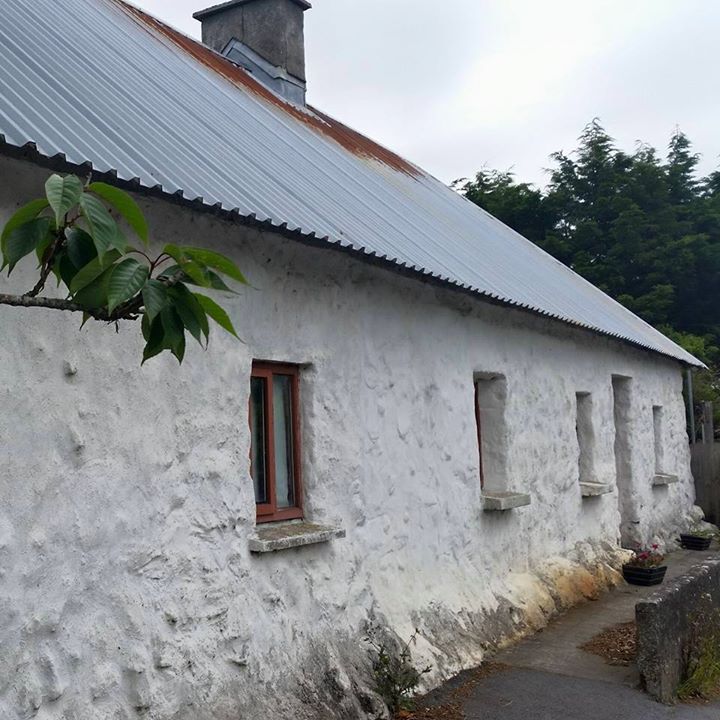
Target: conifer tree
(643,229)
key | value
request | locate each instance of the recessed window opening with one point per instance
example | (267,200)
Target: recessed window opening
(658,430)
(275,441)
(585,437)
(624,408)
(490,401)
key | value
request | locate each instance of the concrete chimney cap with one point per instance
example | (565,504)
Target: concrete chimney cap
(202,14)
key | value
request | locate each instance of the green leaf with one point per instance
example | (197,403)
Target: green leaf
(197,309)
(120,241)
(24,240)
(65,268)
(126,281)
(110,257)
(165,332)
(93,270)
(175,253)
(190,322)
(80,247)
(195,271)
(171,271)
(94,296)
(217,283)
(216,313)
(154,334)
(179,349)
(78,252)
(145,326)
(103,228)
(191,312)
(155,298)
(24,214)
(125,205)
(42,248)
(63,193)
(56,268)
(209,278)
(216,261)
(174,333)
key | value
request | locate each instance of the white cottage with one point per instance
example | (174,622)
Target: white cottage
(463,430)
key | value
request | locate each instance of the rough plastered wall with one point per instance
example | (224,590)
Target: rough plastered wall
(126,585)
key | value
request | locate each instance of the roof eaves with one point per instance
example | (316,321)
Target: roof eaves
(31,153)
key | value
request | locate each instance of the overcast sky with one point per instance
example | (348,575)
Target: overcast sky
(457,84)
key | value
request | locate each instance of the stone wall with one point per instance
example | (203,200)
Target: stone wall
(126,506)
(672,624)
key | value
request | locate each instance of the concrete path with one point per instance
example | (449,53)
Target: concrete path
(550,678)
(520,694)
(557,648)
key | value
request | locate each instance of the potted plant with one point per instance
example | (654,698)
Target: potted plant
(646,567)
(696,539)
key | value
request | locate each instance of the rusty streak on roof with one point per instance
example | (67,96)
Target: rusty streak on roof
(350,139)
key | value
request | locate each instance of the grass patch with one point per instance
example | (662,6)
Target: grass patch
(396,677)
(703,679)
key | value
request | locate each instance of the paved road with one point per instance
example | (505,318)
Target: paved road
(520,694)
(548,676)
(557,648)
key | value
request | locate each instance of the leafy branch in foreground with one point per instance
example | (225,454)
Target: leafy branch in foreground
(75,238)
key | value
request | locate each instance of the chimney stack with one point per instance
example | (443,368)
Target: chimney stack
(266,37)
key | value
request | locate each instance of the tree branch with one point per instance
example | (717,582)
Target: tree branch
(47,263)
(129,310)
(29,301)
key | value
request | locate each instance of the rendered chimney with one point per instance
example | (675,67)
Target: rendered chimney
(267,37)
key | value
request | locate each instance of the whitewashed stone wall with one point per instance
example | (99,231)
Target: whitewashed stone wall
(126,585)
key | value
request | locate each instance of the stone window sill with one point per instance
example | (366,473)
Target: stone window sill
(661,479)
(274,537)
(502,501)
(595,489)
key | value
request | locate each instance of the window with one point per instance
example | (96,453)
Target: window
(659,444)
(490,396)
(275,441)
(585,437)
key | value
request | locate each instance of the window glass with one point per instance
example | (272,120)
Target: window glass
(282,421)
(259,446)
(275,441)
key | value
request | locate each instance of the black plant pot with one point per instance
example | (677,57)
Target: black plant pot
(644,576)
(695,542)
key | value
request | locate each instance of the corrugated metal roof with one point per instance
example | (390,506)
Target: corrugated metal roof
(104,84)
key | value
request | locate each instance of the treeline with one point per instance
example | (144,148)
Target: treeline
(643,228)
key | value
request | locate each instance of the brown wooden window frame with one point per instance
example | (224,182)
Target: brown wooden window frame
(269,512)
